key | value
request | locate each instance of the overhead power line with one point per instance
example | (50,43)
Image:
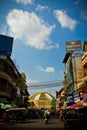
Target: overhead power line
(46,84)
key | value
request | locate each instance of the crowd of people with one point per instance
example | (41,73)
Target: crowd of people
(8,116)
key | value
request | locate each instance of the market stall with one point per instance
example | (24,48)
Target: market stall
(75,115)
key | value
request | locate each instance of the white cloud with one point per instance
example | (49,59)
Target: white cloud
(30,81)
(77,2)
(47,69)
(40,7)
(65,20)
(83,15)
(29,27)
(25,1)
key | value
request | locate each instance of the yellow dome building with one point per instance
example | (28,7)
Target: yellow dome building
(41,100)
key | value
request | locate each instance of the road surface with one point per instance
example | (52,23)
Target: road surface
(36,124)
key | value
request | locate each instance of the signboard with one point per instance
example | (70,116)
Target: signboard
(84,93)
(70,99)
(6,45)
(73,46)
(76,96)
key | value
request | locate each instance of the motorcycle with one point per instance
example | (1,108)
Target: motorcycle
(46,120)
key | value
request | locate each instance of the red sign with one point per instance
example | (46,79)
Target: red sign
(84,93)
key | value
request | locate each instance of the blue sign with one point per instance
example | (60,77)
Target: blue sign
(76,96)
(6,44)
(70,99)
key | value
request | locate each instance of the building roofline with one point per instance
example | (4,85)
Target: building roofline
(66,57)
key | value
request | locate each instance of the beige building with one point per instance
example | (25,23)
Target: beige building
(41,100)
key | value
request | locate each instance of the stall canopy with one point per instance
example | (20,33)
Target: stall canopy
(78,104)
(5,106)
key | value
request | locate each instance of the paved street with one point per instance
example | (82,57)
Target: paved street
(53,123)
(37,123)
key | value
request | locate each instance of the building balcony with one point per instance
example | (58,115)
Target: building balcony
(84,60)
(8,78)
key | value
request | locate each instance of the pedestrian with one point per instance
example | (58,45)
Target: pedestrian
(61,114)
(4,116)
(46,115)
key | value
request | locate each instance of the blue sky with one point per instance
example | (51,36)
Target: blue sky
(40,29)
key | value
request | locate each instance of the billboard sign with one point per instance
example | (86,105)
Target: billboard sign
(76,96)
(6,44)
(73,46)
(84,93)
(70,99)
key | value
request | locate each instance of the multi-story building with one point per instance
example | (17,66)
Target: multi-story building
(13,86)
(73,75)
(73,71)
(9,77)
(83,83)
